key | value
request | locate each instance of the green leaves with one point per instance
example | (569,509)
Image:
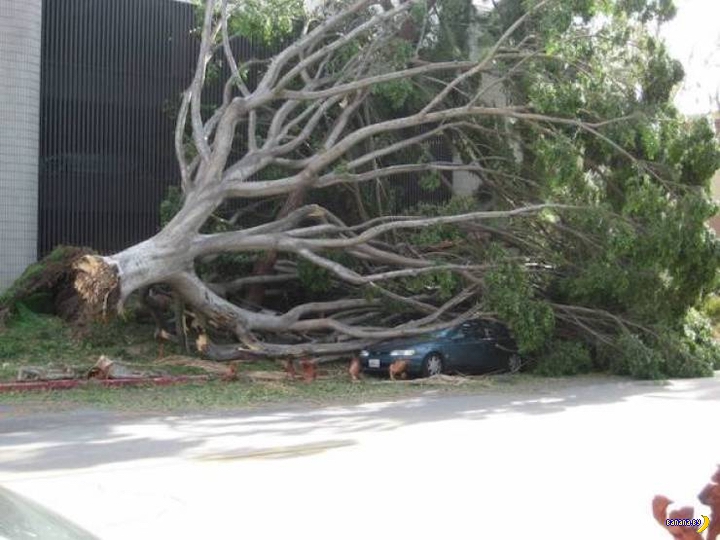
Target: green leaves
(399,93)
(443,282)
(562,358)
(695,152)
(661,74)
(396,93)
(687,351)
(313,278)
(266,21)
(430,181)
(509,292)
(170,205)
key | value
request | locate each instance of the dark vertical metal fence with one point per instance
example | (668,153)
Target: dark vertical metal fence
(112,72)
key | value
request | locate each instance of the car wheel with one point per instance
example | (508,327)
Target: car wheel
(514,363)
(432,365)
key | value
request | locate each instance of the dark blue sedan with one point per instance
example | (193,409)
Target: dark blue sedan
(477,346)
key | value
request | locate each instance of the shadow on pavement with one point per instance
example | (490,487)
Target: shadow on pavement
(82,439)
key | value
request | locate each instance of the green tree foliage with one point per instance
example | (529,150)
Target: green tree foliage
(630,255)
(561,358)
(509,292)
(641,249)
(267,22)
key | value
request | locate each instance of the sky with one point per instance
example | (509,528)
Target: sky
(693,37)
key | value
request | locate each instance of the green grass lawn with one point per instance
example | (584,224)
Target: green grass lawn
(218,395)
(34,340)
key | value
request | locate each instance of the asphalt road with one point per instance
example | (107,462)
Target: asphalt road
(582,461)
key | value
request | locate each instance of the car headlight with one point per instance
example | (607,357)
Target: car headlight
(364,354)
(403,352)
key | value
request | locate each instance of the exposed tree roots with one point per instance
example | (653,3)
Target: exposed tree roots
(50,284)
(97,286)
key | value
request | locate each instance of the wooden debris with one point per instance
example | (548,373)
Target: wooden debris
(233,372)
(355,369)
(208,366)
(106,368)
(309,369)
(289,367)
(399,369)
(161,336)
(40,373)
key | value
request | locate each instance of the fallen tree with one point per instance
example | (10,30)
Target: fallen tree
(585,178)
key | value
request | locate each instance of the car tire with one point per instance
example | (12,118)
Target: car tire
(514,363)
(432,365)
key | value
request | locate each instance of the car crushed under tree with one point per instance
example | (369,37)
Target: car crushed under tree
(477,346)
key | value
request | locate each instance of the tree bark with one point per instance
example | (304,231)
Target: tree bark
(266,262)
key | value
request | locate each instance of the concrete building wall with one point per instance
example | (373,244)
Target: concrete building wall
(715,190)
(465,183)
(20,38)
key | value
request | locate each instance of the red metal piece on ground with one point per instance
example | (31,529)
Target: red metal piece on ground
(398,369)
(355,369)
(309,371)
(75,383)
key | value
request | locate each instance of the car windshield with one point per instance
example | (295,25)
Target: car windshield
(438,333)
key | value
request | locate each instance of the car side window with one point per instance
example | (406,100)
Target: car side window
(465,330)
(476,331)
(480,330)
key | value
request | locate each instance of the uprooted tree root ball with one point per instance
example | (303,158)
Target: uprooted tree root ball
(97,286)
(49,285)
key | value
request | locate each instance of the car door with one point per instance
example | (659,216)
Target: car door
(500,347)
(452,349)
(469,348)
